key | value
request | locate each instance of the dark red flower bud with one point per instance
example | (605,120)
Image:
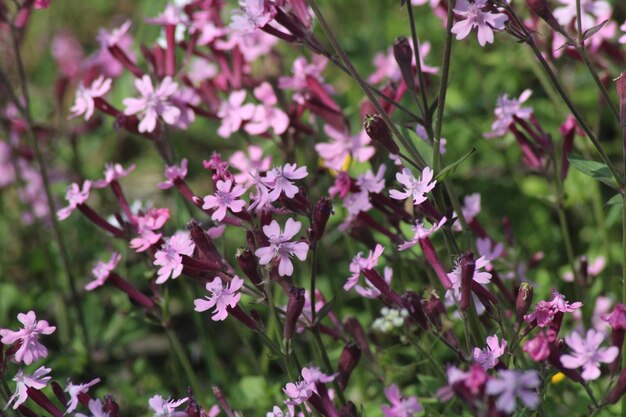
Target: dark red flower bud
(110,406)
(542,9)
(348,410)
(434,309)
(403,54)
(348,360)
(379,132)
(378,281)
(323,210)
(354,328)
(523,301)
(468,266)
(221,400)
(619,389)
(240,314)
(58,392)
(249,264)
(26,412)
(295,304)
(203,242)
(44,402)
(413,303)
(193,409)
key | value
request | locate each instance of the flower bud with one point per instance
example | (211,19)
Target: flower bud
(193,409)
(249,264)
(26,412)
(468,266)
(348,410)
(413,303)
(348,360)
(434,308)
(221,400)
(619,389)
(323,210)
(58,392)
(523,301)
(542,9)
(379,132)
(110,406)
(403,54)
(354,329)
(294,309)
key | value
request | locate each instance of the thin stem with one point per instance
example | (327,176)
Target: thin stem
(313,276)
(184,361)
(325,359)
(418,64)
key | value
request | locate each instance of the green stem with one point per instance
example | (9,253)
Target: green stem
(328,368)
(184,361)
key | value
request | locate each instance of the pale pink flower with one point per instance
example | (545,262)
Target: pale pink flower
(343,146)
(226,197)
(302,390)
(591,9)
(221,297)
(359,264)
(154,219)
(102,271)
(400,406)
(594,269)
(252,46)
(277,412)
(170,256)
(74,196)
(83,101)
(174,173)
(38,380)
(280,246)
(622,39)
(203,24)
(475,17)
(96,408)
(546,310)
(588,354)
(313,375)
(387,67)
(247,164)
(253,14)
(488,357)
(480,277)
(259,201)
(267,115)
(113,172)
(370,291)
(279,180)
(301,70)
(512,384)
(505,111)
(153,103)
(75,390)
(30,349)
(489,249)
(166,408)
(413,187)
(372,183)
(116,36)
(233,113)
(172,15)
(470,209)
(421,232)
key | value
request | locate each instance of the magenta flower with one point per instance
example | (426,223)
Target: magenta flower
(75,196)
(38,380)
(343,146)
(280,180)
(301,71)
(590,10)
(415,188)
(476,17)
(280,246)
(399,406)
(207,29)
(480,277)
(253,14)
(298,392)
(75,390)
(96,408)
(170,256)
(83,101)
(546,310)
(488,357)
(174,173)
(267,115)
(154,219)
(247,164)
(113,172)
(30,349)
(102,270)
(153,103)
(221,297)
(506,110)
(421,232)
(588,354)
(259,201)
(511,385)
(313,375)
(387,67)
(233,113)
(370,291)
(166,408)
(226,197)
(359,264)
(617,317)
(538,348)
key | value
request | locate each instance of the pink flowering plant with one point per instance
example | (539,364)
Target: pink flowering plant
(274,208)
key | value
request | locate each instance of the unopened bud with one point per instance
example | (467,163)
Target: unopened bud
(249,263)
(221,400)
(403,54)
(379,132)
(468,266)
(434,309)
(110,406)
(294,309)
(347,362)
(348,410)
(323,210)
(523,301)
(542,9)
(619,388)
(413,303)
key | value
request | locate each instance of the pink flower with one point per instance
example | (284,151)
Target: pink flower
(75,390)
(416,188)
(359,264)
(371,183)
(538,348)
(475,17)
(280,180)
(96,409)
(202,24)
(546,310)
(267,115)
(488,357)
(246,164)
(102,270)
(506,110)
(226,197)
(343,146)
(259,201)
(42,4)
(253,14)
(113,172)
(341,186)
(622,39)
(37,381)
(489,249)
(590,10)
(30,349)
(301,70)
(172,15)
(233,113)
(83,102)
(470,209)
(170,256)
(174,173)
(252,46)
(421,232)
(280,246)
(153,103)
(302,390)
(75,196)
(480,277)
(154,219)
(588,354)
(221,297)
(277,412)
(370,291)
(400,407)
(616,318)
(166,408)
(387,67)
(512,384)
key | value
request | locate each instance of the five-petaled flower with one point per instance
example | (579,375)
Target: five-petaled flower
(75,196)
(476,17)
(488,357)
(512,384)
(506,111)
(38,380)
(153,103)
(226,197)
(588,354)
(233,113)
(421,232)
(280,246)
(400,406)
(359,264)
(113,172)
(253,14)
(102,271)
(221,297)
(83,102)
(280,180)
(413,187)
(174,173)
(166,408)
(170,256)
(75,390)
(30,349)
(545,311)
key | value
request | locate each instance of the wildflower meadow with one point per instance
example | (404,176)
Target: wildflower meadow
(299,208)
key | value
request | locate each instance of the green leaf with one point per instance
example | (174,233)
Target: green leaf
(594,169)
(449,169)
(422,148)
(324,311)
(615,200)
